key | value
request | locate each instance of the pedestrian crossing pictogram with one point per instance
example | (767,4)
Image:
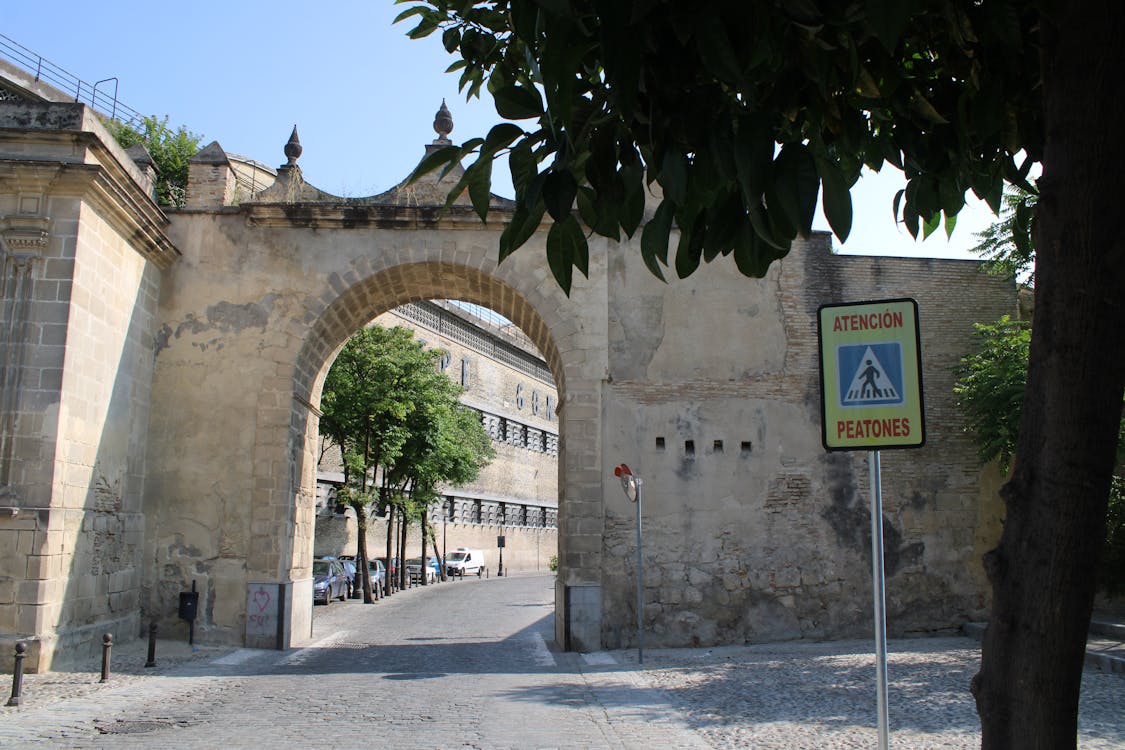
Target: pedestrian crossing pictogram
(876,378)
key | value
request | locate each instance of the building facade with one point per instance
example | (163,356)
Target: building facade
(508,385)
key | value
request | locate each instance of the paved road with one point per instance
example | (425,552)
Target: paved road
(466,665)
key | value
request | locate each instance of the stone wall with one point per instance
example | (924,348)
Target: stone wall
(80,295)
(752,531)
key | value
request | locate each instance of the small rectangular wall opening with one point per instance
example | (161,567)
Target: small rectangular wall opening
(745,447)
(717,446)
(659,443)
(689,447)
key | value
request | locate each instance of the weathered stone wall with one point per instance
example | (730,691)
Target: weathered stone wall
(80,293)
(752,531)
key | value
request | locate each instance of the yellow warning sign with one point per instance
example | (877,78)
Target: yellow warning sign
(871,375)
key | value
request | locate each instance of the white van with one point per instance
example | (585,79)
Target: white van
(461,561)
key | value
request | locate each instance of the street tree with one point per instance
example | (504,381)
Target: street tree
(445,444)
(376,381)
(743,111)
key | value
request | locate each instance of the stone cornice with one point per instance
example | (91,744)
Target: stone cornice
(79,157)
(119,200)
(345,215)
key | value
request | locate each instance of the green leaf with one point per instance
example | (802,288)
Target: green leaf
(888,20)
(518,102)
(556,7)
(520,229)
(523,166)
(716,50)
(725,218)
(500,137)
(673,177)
(479,179)
(566,249)
(950,224)
(689,251)
(451,39)
(837,198)
(930,225)
(599,215)
(654,239)
(753,147)
(633,205)
(559,191)
(796,186)
(753,256)
(445,155)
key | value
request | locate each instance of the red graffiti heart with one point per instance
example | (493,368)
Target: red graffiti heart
(262,599)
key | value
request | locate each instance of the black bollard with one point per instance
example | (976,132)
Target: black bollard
(151,646)
(107,644)
(17,673)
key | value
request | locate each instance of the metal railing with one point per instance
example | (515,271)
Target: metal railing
(96,95)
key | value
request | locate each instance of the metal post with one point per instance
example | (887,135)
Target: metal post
(880,599)
(107,644)
(640,583)
(17,673)
(151,645)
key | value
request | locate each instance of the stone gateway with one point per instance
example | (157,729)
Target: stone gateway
(162,371)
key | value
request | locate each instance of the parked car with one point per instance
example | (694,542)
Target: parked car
(461,561)
(414,569)
(348,563)
(350,571)
(391,567)
(329,581)
(378,573)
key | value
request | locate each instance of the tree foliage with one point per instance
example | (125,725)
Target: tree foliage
(170,150)
(990,393)
(990,387)
(1009,244)
(397,421)
(741,110)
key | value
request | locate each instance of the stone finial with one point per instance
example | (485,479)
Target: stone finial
(443,123)
(293,149)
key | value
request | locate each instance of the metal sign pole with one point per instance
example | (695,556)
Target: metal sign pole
(631,484)
(640,584)
(880,599)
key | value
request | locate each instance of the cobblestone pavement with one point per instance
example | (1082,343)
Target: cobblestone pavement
(467,665)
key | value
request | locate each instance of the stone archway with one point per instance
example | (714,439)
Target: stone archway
(259,308)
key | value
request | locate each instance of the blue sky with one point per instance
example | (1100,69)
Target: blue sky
(362,95)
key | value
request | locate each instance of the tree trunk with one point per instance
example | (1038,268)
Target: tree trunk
(1043,571)
(438,553)
(424,574)
(390,579)
(362,570)
(404,528)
